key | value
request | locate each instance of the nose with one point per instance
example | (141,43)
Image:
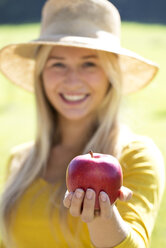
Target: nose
(73,78)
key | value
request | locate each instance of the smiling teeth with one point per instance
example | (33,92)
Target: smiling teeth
(74,97)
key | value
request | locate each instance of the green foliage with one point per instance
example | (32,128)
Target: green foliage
(144,111)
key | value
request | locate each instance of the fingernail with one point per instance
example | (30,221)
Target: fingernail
(89,194)
(78,194)
(70,196)
(103,196)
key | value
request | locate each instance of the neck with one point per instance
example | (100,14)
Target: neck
(74,134)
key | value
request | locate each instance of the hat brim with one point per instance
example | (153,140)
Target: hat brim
(17,61)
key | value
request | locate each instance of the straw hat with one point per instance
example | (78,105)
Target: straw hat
(93,24)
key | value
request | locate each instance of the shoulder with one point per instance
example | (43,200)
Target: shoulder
(17,156)
(142,146)
(139,145)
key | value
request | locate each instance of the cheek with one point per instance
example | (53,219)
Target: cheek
(49,80)
(99,83)
(47,85)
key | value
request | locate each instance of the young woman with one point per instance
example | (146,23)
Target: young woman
(79,72)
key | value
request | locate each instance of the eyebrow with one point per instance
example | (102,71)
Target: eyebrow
(90,56)
(84,57)
(56,57)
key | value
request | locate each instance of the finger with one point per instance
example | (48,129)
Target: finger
(96,213)
(125,194)
(88,206)
(76,202)
(67,199)
(105,205)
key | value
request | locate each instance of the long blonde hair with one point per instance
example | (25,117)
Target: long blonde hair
(104,138)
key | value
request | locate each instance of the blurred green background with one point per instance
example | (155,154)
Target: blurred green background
(144,111)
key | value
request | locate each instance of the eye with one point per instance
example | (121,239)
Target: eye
(58,65)
(89,65)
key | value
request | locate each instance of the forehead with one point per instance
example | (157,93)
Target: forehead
(72,51)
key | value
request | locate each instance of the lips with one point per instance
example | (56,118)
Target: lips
(73,98)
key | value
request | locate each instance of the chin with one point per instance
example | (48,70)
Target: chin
(76,116)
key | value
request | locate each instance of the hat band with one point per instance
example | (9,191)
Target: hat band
(100,38)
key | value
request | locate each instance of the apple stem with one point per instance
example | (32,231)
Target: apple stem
(91,153)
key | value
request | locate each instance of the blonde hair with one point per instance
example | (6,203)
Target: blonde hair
(103,139)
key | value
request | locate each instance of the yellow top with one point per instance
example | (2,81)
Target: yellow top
(35,226)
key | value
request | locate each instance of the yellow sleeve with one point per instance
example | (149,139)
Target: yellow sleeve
(144,174)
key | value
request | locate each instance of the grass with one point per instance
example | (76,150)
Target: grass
(144,111)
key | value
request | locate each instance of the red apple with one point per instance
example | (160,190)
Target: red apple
(99,172)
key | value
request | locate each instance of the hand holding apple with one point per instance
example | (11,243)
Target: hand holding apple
(96,171)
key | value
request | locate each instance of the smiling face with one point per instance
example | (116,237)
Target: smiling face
(74,81)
